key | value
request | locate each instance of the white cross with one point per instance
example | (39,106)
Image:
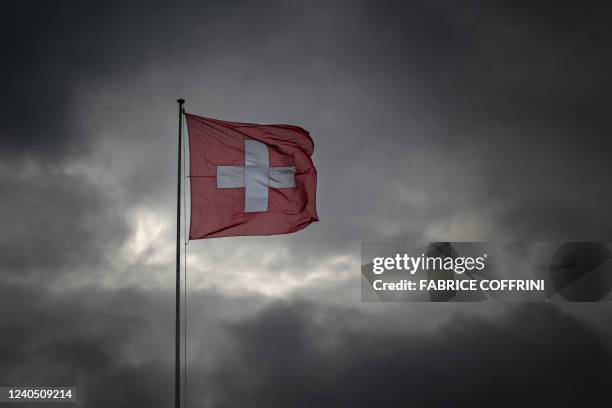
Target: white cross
(256,176)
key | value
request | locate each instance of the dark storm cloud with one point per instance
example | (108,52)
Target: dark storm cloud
(94,340)
(483,63)
(520,93)
(424,114)
(300,354)
(115,347)
(475,81)
(54,223)
(55,220)
(51,47)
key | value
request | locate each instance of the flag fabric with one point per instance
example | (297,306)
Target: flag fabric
(249,179)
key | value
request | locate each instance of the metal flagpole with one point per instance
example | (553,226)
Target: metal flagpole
(177,344)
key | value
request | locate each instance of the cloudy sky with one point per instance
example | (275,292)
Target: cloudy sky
(432,121)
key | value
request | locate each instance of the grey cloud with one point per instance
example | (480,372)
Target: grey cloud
(52,48)
(81,340)
(463,121)
(54,223)
(115,347)
(300,354)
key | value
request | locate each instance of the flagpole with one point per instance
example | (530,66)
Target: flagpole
(177,344)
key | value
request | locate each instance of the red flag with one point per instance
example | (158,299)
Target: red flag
(249,179)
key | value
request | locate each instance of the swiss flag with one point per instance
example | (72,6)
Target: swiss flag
(249,179)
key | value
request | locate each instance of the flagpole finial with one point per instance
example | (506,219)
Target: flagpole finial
(181,101)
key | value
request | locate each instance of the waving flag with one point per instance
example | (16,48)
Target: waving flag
(249,179)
